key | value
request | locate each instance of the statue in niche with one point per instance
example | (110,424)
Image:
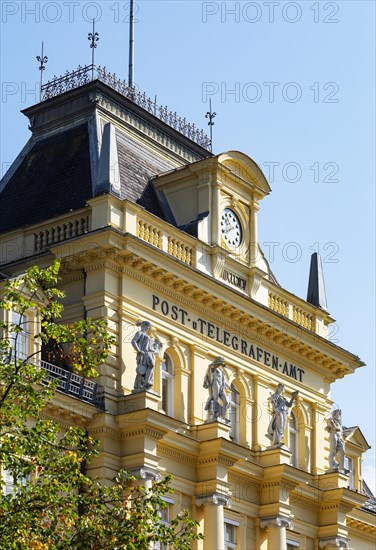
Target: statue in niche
(337,445)
(147,349)
(214,382)
(280,406)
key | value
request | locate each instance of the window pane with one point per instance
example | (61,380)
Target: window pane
(230,536)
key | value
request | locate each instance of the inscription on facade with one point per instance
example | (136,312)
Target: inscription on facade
(234,279)
(218,334)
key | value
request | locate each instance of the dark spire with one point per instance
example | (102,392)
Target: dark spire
(316,287)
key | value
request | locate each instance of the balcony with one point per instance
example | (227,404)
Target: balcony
(74,385)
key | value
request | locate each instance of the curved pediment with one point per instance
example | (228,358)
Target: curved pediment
(246,169)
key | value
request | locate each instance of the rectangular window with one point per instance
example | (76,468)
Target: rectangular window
(231,534)
(165,515)
(10,487)
(349,465)
(292,545)
(20,340)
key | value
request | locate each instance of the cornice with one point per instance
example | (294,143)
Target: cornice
(98,430)
(203,302)
(361,525)
(175,454)
(216,459)
(144,431)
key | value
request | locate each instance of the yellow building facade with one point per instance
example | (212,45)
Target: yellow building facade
(151,226)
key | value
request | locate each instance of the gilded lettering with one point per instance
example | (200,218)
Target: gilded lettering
(275,362)
(292,371)
(244,347)
(235,343)
(211,329)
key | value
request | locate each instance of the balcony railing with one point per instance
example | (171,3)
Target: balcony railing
(74,385)
(83,75)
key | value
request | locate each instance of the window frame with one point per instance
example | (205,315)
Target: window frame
(167,385)
(350,465)
(294,431)
(231,545)
(234,413)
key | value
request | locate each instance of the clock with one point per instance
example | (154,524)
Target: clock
(231,228)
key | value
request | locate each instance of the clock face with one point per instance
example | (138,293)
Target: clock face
(231,228)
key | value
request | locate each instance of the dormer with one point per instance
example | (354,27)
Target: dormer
(356,445)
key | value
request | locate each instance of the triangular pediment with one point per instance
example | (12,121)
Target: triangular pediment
(354,436)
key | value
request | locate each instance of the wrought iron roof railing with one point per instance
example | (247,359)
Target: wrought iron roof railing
(83,75)
(74,385)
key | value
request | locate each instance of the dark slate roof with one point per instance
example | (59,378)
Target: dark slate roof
(370,505)
(52,179)
(136,168)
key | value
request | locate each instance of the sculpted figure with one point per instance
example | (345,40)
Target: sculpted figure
(214,381)
(147,349)
(278,421)
(337,445)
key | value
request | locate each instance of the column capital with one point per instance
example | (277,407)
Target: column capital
(334,542)
(145,473)
(218,499)
(278,521)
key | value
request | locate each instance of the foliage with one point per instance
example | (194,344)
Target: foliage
(55,504)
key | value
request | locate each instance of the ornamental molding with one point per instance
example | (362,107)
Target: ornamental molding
(277,521)
(146,473)
(146,432)
(258,331)
(105,430)
(66,418)
(334,542)
(309,502)
(176,454)
(281,484)
(220,460)
(339,506)
(240,479)
(361,525)
(262,333)
(216,499)
(141,127)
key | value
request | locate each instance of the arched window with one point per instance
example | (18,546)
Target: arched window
(294,439)
(234,414)
(167,385)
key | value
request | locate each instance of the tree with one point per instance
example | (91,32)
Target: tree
(54,504)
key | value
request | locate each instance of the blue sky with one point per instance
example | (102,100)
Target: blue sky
(292,84)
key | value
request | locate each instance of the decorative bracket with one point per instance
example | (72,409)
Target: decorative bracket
(218,499)
(334,542)
(279,521)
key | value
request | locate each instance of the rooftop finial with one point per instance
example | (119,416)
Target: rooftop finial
(42,60)
(93,37)
(210,115)
(131,46)
(316,287)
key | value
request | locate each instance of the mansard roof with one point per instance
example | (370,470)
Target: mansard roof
(58,169)
(53,178)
